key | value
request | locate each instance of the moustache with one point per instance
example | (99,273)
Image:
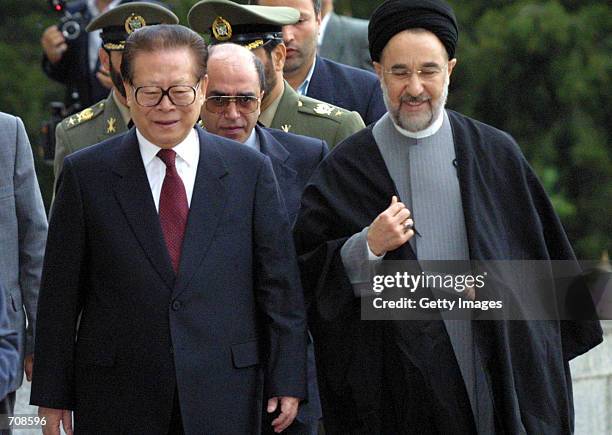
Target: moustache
(409,99)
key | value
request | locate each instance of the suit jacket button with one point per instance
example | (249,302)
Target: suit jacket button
(176,305)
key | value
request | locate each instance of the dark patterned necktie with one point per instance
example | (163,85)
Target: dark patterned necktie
(173,207)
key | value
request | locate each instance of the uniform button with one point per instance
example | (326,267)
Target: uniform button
(176,305)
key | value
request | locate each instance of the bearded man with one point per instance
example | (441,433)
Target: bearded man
(471,194)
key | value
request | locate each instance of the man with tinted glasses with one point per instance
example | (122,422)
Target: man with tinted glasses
(235,87)
(259,28)
(181,271)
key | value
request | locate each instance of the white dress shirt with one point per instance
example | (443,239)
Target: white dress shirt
(187,158)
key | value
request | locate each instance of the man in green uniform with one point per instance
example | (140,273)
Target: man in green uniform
(110,116)
(259,28)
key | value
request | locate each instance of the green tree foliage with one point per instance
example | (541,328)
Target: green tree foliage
(541,71)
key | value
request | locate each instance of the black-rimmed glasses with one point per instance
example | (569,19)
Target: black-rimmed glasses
(244,103)
(179,95)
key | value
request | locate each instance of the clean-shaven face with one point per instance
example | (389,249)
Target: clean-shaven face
(166,125)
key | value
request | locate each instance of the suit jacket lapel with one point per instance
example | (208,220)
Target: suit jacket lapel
(133,193)
(285,174)
(207,205)
(321,84)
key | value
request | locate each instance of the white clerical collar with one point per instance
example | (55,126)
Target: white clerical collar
(188,150)
(429,131)
(253,141)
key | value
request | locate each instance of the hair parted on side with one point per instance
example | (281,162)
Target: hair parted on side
(163,37)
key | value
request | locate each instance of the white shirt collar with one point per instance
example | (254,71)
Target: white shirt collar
(303,88)
(429,131)
(187,150)
(253,141)
(322,27)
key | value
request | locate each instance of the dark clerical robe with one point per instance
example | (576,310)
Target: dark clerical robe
(402,377)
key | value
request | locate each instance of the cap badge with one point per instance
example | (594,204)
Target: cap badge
(222,29)
(134,22)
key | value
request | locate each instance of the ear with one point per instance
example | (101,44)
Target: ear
(104,58)
(451,65)
(203,88)
(129,92)
(279,54)
(378,69)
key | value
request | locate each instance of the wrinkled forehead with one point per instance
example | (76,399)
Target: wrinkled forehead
(414,46)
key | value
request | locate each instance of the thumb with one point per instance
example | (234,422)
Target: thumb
(393,200)
(272,404)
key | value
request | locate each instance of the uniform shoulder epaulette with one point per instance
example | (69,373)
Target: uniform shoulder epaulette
(321,109)
(84,115)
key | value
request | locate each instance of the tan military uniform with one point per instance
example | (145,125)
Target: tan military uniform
(309,117)
(90,126)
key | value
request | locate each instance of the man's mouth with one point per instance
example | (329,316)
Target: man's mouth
(166,124)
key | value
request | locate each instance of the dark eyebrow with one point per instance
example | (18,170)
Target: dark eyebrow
(215,93)
(425,65)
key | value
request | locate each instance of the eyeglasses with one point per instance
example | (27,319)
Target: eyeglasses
(244,103)
(423,74)
(179,95)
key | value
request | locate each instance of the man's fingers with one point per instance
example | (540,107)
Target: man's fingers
(283,421)
(272,404)
(401,216)
(289,406)
(67,421)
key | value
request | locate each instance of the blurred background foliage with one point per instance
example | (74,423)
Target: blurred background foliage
(540,70)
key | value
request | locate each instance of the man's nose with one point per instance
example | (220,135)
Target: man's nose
(231,111)
(165,103)
(413,85)
(288,33)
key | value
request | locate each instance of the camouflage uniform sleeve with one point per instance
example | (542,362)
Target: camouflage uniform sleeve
(350,124)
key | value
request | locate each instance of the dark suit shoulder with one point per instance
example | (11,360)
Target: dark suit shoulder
(296,141)
(98,153)
(347,72)
(232,152)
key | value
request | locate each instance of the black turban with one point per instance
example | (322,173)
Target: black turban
(394,16)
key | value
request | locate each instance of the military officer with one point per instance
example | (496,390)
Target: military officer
(110,116)
(259,28)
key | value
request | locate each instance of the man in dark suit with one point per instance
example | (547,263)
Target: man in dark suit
(236,80)
(180,265)
(343,39)
(320,78)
